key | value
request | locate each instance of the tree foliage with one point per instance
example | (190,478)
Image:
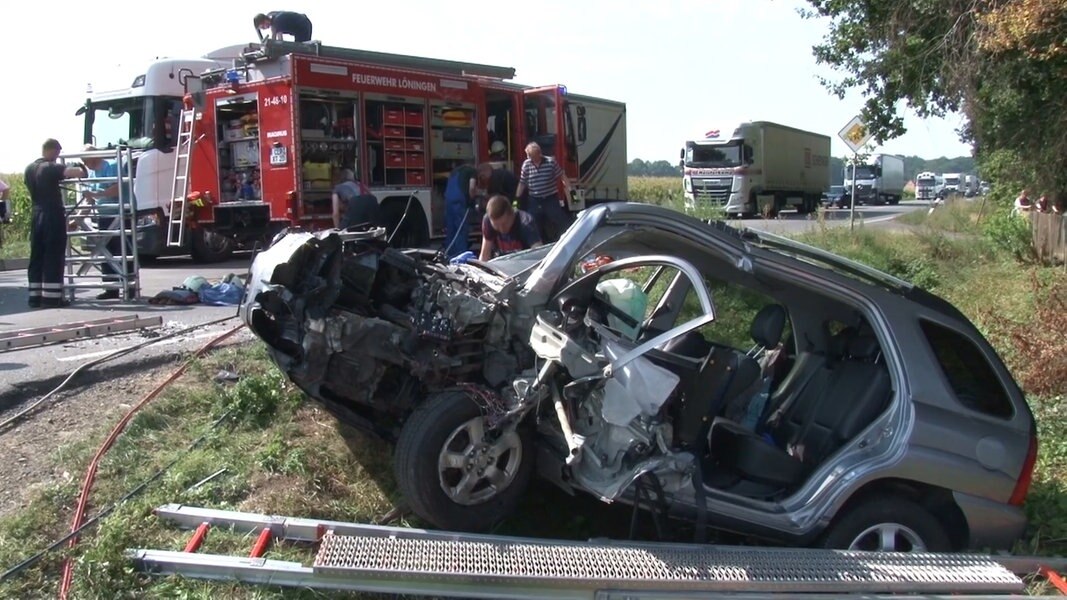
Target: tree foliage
(1000,62)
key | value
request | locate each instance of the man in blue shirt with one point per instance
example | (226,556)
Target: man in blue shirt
(106,198)
(460,190)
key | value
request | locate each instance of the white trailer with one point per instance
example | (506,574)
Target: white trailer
(757,167)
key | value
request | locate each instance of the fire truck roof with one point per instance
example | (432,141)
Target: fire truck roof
(272,49)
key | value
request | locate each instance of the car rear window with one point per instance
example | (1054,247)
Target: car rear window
(968,372)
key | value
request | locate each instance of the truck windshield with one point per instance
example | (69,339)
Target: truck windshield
(717,155)
(138,122)
(952,181)
(862,172)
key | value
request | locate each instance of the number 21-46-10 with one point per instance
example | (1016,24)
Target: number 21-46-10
(275,100)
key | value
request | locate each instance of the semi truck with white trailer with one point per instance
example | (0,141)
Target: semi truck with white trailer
(879,181)
(953,184)
(926,187)
(757,167)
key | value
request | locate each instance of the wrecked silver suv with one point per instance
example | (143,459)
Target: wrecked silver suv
(746,382)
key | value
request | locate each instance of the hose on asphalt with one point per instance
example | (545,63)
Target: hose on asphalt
(90,475)
(116,354)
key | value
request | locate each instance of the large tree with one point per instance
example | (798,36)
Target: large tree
(1000,62)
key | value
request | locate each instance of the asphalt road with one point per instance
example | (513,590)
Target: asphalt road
(27,372)
(790,222)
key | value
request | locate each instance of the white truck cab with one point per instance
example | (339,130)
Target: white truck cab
(145,117)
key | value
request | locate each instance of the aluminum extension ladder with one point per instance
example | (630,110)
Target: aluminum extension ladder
(64,332)
(180,187)
(371,558)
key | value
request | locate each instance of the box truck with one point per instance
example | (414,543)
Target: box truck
(879,181)
(953,184)
(756,167)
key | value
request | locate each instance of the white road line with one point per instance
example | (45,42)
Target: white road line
(92,355)
(880,219)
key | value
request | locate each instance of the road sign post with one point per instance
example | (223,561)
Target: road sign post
(855,135)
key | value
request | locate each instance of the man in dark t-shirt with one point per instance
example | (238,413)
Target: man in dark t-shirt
(282,22)
(506,229)
(48,225)
(497,181)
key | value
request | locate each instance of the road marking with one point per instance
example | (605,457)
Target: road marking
(880,219)
(92,355)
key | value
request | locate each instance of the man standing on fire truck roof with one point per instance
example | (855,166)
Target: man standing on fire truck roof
(281,22)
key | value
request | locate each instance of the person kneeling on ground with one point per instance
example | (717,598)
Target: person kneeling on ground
(506,229)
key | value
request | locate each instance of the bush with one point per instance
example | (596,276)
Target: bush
(1011,234)
(1039,358)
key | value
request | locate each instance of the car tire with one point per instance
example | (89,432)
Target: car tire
(887,524)
(443,423)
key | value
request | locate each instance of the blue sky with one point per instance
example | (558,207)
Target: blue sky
(681,66)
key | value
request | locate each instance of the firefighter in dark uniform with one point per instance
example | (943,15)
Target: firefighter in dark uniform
(48,233)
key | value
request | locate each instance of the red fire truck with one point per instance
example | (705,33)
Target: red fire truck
(260,141)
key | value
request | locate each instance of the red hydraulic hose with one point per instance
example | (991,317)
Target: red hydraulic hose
(90,475)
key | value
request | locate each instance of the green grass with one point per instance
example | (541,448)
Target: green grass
(18,206)
(284,456)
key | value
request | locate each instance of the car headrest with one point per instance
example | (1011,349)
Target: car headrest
(767,326)
(838,345)
(863,347)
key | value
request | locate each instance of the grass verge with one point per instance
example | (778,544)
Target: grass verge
(285,456)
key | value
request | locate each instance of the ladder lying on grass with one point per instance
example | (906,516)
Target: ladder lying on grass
(371,558)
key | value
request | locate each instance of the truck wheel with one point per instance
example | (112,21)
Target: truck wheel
(452,473)
(209,247)
(894,200)
(413,231)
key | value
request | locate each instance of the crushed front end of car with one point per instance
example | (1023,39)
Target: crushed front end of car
(366,329)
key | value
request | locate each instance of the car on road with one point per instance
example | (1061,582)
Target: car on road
(748,382)
(836,196)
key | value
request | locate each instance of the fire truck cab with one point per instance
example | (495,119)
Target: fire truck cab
(273,130)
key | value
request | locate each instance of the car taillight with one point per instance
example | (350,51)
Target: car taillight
(1022,486)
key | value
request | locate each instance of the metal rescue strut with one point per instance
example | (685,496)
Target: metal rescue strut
(398,560)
